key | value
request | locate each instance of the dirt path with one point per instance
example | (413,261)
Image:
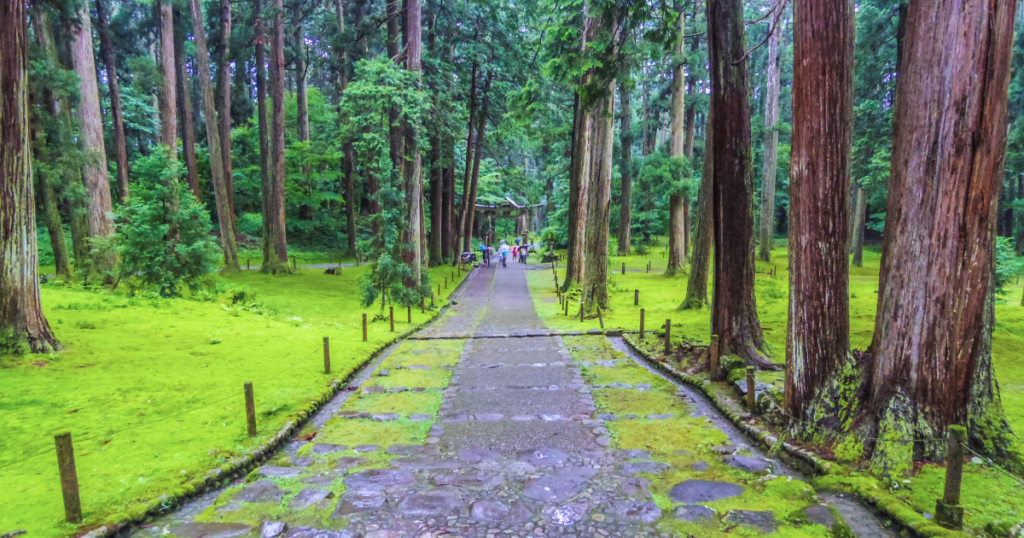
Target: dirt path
(471,431)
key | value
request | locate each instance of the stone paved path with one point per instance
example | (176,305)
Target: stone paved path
(496,435)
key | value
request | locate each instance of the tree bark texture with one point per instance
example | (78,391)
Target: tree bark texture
(595,278)
(116,113)
(626,171)
(187,114)
(703,234)
(946,174)
(168,94)
(734,313)
(678,211)
(301,90)
(478,153)
(273,262)
(21,312)
(413,169)
(224,106)
(436,198)
(859,218)
(463,241)
(227,231)
(771,145)
(690,120)
(348,152)
(579,197)
(818,357)
(91,124)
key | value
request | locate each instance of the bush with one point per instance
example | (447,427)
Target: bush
(1008,265)
(251,224)
(163,235)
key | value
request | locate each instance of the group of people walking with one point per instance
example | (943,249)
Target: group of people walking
(518,251)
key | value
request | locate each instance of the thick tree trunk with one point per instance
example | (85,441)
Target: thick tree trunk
(275,260)
(947,168)
(91,124)
(690,120)
(579,197)
(478,150)
(448,221)
(859,216)
(21,313)
(224,106)
(678,202)
(271,261)
(734,313)
(49,186)
(771,146)
(626,171)
(595,278)
(463,241)
(413,169)
(168,94)
(187,114)
(436,200)
(348,152)
(820,369)
(116,113)
(301,93)
(396,127)
(227,231)
(703,235)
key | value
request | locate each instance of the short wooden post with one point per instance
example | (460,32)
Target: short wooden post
(68,478)
(566,301)
(327,355)
(636,297)
(391,314)
(641,323)
(751,387)
(581,309)
(295,262)
(623,267)
(364,326)
(599,318)
(408,311)
(668,337)
(248,263)
(445,282)
(438,293)
(713,368)
(948,511)
(250,410)
(422,308)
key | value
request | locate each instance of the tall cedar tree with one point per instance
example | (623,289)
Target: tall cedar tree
(114,89)
(478,152)
(186,113)
(462,243)
(223,103)
(703,234)
(820,369)
(932,342)
(579,170)
(734,313)
(771,142)
(168,93)
(348,154)
(679,204)
(413,168)
(625,168)
(227,231)
(21,314)
(91,123)
(275,250)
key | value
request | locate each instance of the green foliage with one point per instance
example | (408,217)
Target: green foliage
(1008,264)
(164,236)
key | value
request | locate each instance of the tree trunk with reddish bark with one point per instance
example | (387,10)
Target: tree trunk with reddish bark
(820,369)
(227,231)
(168,93)
(932,329)
(413,168)
(703,234)
(860,210)
(224,106)
(771,146)
(678,210)
(734,313)
(462,243)
(91,124)
(478,153)
(187,114)
(116,113)
(275,253)
(21,312)
(595,277)
(626,170)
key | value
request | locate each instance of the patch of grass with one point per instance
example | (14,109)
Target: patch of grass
(151,390)
(403,403)
(431,379)
(432,353)
(355,432)
(636,402)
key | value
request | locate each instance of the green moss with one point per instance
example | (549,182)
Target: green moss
(432,353)
(355,432)
(404,403)
(430,379)
(850,449)
(643,403)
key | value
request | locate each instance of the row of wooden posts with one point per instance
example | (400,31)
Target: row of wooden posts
(948,511)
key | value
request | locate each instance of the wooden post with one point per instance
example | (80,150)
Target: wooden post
(566,301)
(581,309)
(445,282)
(948,511)
(422,309)
(623,267)
(68,478)
(599,318)
(641,323)
(636,297)
(438,293)
(751,387)
(408,311)
(668,337)
(713,368)
(327,355)
(295,262)
(364,326)
(248,263)
(250,410)
(391,314)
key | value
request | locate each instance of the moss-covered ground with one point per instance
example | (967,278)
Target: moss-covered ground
(351,432)
(783,496)
(151,389)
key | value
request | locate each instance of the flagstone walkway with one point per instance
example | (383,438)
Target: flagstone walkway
(497,435)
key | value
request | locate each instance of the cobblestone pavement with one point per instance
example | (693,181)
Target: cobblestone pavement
(479,433)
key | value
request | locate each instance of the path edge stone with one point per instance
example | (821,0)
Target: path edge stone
(900,513)
(120,522)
